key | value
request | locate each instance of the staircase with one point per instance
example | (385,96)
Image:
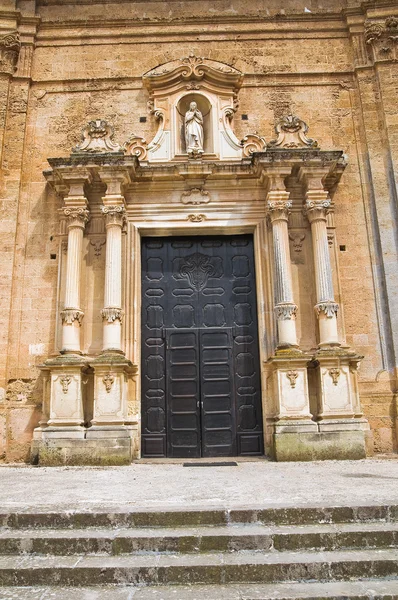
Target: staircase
(338,552)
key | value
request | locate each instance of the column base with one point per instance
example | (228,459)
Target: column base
(91,452)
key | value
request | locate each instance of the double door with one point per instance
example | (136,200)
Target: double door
(200,391)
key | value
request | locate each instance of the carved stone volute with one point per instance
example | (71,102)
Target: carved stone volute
(292,133)
(97,137)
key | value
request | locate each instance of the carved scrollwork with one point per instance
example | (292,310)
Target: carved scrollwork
(10,47)
(70,315)
(253,143)
(136,146)
(328,308)
(77,216)
(195,196)
(382,38)
(292,133)
(114,215)
(97,137)
(112,314)
(285,311)
(196,218)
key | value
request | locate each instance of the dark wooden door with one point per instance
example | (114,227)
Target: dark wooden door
(200,365)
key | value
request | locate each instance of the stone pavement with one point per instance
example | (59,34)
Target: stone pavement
(258,483)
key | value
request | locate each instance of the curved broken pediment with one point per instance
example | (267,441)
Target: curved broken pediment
(190,71)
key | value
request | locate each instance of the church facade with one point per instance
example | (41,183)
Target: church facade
(199,216)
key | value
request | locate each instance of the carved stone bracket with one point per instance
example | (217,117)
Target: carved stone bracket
(77,216)
(195,196)
(108,380)
(97,137)
(329,308)
(285,311)
(70,315)
(292,133)
(10,47)
(292,377)
(114,215)
(112,314)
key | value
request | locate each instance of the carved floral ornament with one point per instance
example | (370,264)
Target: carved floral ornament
(10,47)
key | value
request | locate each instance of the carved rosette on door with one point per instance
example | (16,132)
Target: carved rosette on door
(200,360)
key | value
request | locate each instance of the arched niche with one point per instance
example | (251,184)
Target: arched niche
(205,107)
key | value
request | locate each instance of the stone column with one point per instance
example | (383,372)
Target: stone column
(72,315)
(278,205)
(112,313)
(317,205)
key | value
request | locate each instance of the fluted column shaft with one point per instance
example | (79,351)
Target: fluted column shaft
(72,315)
(316,206)
(112,313)
(278,205)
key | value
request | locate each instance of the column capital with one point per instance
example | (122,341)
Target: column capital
(77,216)
(278,205)
(70,315)
(285,311)
(114,214)
(329,309)
(112,314)
(317,205)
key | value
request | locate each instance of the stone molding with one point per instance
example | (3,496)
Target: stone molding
(114,215)
(291,132)
(112,314)
(70,315)
(97,137)
(76,216)
(285,311)
(10,47)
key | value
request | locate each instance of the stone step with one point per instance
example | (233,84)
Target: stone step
(192,518)
(227,538)
(185,569)
(349,590)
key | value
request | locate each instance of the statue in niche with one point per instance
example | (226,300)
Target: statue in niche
(194,130)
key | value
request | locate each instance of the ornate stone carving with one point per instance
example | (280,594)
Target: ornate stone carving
(195,196)
(292,133)
(382,38)
(196,218)
(297,240)
(334,374)
(136,146)
(253,143)
(315,209)
(285,311)
(77,216)
(20,390)
(65,381)
(97,244)
(70,315)
(197,268)
(194,139)
(114,215)
(330,239)
(97,137)
(10,47)
(292,377)
(329,308)
(108,380)
(112,314)
(279,209)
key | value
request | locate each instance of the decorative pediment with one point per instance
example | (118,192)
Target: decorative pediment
(190,72)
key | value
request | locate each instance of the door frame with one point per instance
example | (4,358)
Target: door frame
(264,298)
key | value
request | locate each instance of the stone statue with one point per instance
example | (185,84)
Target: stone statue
(194,130)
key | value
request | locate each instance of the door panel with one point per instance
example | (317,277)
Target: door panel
(205,287)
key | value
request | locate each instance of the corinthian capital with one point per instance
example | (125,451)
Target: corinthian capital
(279,206)
(10,47)
(317,206)
(112,314)
(77,216)
(114,215)
(70,315)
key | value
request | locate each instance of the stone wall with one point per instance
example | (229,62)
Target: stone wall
(313,58)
